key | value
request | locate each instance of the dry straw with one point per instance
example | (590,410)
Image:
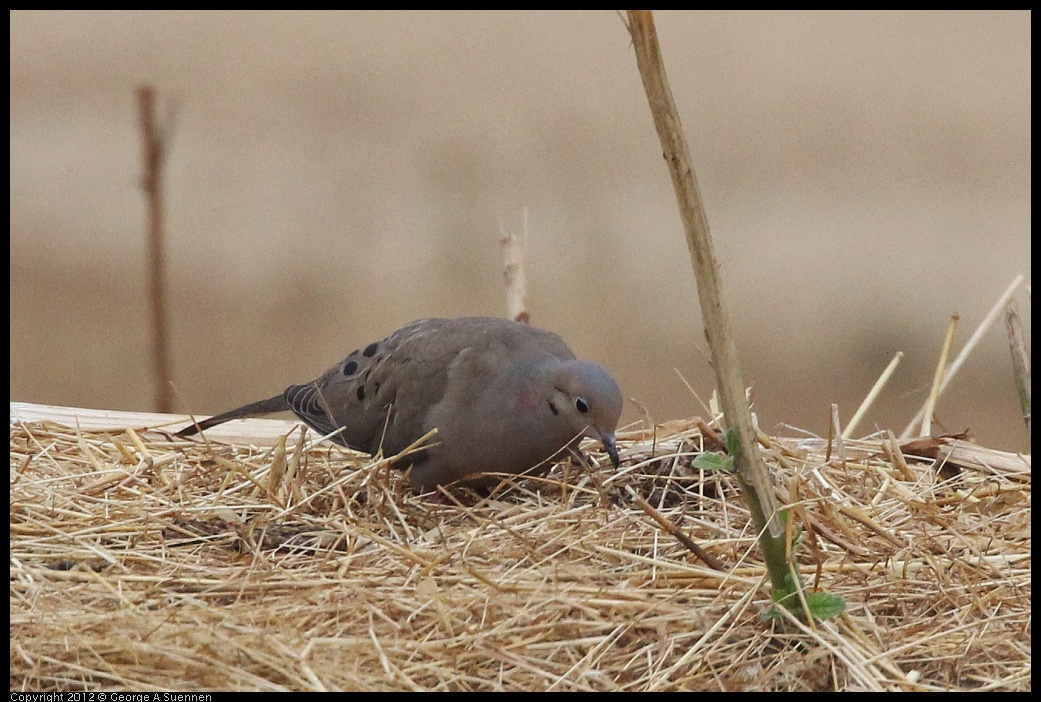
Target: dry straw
(139,562)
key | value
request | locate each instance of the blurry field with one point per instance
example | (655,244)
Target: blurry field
(335,175)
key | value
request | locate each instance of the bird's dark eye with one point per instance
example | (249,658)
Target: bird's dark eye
(581,405)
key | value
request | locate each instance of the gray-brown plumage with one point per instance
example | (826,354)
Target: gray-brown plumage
(504,397)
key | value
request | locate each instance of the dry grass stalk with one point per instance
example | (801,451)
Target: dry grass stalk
(513,273)
(1020,359)
(934,391)
(872,395)
(142,563)
(154,137)
(749,466)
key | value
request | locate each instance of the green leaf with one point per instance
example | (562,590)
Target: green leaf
(712,460)
(733,442)
(822,605)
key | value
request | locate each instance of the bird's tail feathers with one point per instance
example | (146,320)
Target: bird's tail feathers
(269,406)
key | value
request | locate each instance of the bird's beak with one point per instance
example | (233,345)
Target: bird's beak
(611,446)
(607,439)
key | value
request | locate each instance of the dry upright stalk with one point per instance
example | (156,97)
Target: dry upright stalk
(751,470)
(941,366)
(513,273)
(847,433)
(152,183)
(1020,359)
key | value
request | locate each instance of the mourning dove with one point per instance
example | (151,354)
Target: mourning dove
(504,397)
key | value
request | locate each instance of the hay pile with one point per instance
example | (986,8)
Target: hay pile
(143,563)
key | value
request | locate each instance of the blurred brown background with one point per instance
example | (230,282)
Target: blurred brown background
(335,175)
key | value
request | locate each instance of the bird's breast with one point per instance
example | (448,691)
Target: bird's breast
(526,399)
